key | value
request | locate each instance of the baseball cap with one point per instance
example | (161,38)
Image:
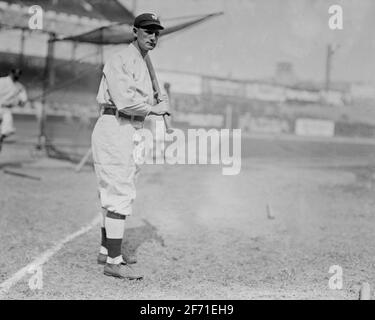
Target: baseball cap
(146,20)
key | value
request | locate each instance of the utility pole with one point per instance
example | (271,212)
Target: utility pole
(328,66)
(331,49)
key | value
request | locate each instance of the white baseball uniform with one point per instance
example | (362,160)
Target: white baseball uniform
(125,86)
(11,94)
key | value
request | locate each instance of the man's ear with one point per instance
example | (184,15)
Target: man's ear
(135,30)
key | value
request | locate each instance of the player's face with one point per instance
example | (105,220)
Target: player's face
(147,38)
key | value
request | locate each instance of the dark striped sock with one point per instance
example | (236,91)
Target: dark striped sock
(104,238)
(114,226)
(114,248)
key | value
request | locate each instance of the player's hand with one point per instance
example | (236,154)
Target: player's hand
(160,109)
(165,98)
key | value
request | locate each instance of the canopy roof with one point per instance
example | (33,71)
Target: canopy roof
(111,10)
(121,33)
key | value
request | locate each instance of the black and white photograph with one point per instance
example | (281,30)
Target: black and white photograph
(187,150)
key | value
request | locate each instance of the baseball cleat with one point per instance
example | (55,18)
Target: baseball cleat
(128,259)
(121,271)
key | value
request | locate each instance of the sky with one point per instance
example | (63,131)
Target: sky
(253,35)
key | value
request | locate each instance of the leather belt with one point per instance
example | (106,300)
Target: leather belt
(114,112)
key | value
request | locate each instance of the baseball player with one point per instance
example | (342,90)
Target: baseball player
(126,98)
(12,93)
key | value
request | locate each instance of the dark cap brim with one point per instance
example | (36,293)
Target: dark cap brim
(150,25)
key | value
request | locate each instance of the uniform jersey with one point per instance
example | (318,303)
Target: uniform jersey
(126,83)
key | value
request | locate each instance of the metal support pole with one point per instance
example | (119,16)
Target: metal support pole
(22,49)
(47,81)
(101,48)
(74,66)
(134,7)
(74,51)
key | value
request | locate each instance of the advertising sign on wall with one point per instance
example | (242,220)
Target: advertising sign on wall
(314,127)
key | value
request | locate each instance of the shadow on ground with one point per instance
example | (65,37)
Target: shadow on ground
(135,237)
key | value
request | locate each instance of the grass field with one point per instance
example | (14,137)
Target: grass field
(199,234)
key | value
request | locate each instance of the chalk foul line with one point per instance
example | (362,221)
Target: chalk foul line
(44,257)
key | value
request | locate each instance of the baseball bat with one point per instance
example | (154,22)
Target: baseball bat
(22,175)
(155,85)
(83,160)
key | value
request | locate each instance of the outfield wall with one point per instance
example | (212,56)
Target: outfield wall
(75,131)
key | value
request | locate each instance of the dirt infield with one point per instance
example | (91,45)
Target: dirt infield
(199,234)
